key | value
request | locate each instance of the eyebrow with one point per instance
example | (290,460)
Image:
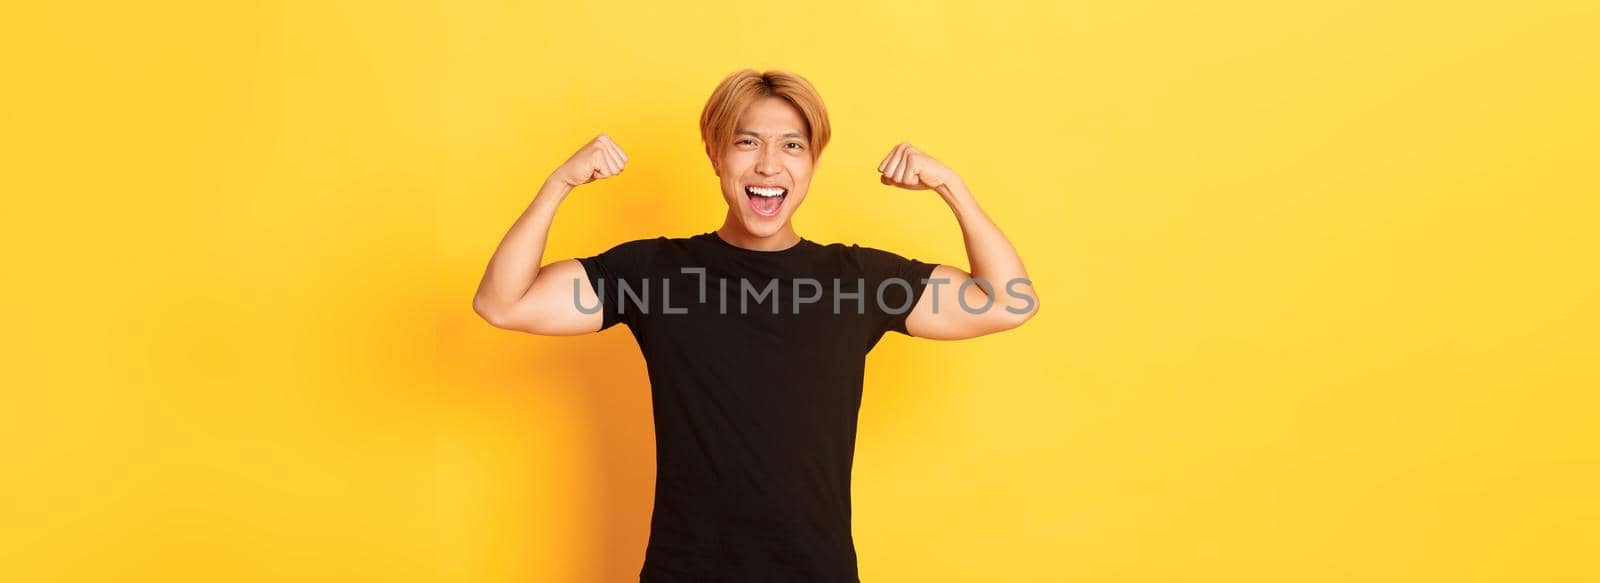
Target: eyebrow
(745,132)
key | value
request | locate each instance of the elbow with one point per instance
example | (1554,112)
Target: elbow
(1014,317)
(490,313)
(513,316)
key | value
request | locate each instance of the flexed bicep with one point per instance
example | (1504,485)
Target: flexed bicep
(957,306)
(561,302)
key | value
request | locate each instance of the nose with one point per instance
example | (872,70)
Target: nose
(767,165)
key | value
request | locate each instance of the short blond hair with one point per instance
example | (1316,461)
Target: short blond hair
(744,87)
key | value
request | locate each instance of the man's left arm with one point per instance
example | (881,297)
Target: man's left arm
(997,295)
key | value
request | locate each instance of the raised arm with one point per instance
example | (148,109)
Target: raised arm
(516,293)
(946,311)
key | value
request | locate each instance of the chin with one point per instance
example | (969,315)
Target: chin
(764,228)
(755,227)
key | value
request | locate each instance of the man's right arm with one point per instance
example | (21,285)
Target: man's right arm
(516,293)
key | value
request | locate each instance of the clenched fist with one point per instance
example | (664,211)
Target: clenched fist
(600,158)
(907,167)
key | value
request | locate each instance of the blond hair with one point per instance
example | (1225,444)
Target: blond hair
(744,87)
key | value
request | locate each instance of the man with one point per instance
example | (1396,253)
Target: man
(755,338)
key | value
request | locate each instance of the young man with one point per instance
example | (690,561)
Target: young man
(755,338)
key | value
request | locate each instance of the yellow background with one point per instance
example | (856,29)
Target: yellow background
(1318,282)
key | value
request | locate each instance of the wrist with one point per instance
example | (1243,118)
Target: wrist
(555,186)
(954,191)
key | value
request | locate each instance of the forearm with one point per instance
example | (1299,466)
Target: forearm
(516,261)
(990,255)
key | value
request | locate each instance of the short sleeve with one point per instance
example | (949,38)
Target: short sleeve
(894,285)
(616,272)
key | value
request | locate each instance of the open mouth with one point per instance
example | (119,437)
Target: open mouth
(766,200)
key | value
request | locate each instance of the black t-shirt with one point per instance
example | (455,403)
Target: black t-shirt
(755,411)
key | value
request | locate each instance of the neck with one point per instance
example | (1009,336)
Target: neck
(733,232)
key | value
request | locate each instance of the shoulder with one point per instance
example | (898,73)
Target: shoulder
(879,262)
(648,247)
(647,254)
(865,255)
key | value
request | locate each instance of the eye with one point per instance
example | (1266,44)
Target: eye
(797,145)
(745,140)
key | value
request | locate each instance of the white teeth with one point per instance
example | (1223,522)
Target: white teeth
(767,192)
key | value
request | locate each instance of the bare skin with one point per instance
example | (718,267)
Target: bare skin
(769,149)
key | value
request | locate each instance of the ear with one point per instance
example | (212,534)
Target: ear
(715,167)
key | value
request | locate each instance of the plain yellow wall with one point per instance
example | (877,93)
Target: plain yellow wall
(1319,291)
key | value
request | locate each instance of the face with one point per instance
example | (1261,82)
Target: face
(766,168)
